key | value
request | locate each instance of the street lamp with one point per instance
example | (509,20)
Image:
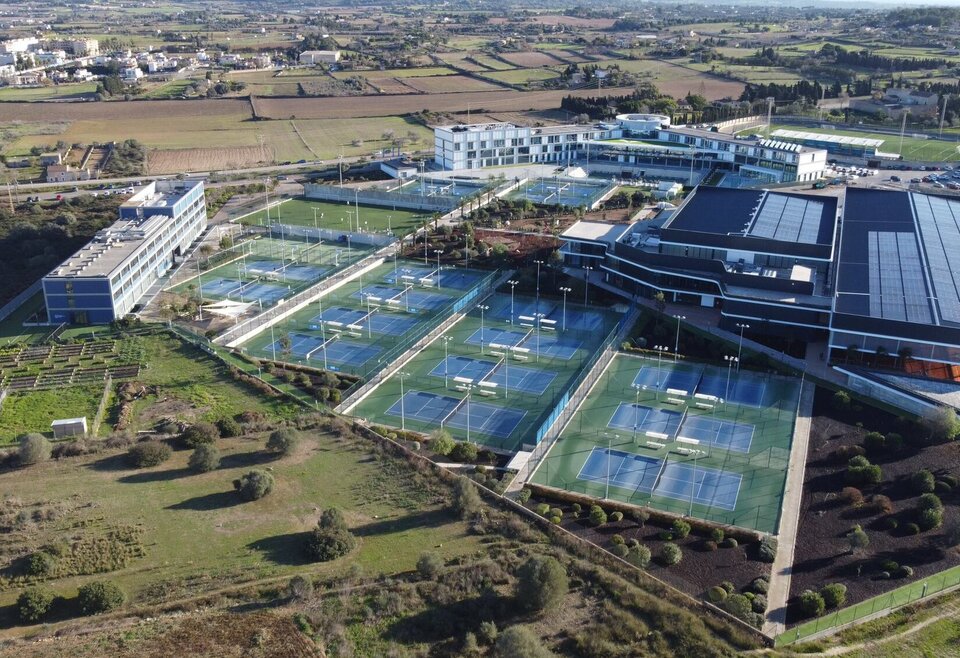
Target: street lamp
(676,344)
(482,308)
(539,263)
(538,318)
(438,252)
(636,409)
(660,350)
(446,358)
(610,437)
(586,283)
(469,388)
(513,285)
(693,484)
(740,347)
(730,361)
(403,425)
(565,291)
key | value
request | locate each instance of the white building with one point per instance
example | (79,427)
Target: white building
(18,45)
(131,74)
(314,57)
(84,47)
(106,279)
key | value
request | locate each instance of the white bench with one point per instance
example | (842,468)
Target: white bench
(486,393)
(656,435)
(354,334)
(492,353)
(674,401)
(460,387)
(683,451)
(683,439)
(702,405)
(655,444)
(520,357)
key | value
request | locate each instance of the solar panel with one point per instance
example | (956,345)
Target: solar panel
(939,222)
(788,219)
(898,290)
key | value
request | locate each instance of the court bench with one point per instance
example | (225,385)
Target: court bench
(674,401)
(520,357)
(460,387)
(486,393)
(654,444)
(703,405)
(683,451)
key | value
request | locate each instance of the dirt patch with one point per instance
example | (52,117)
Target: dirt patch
(823,554)
(173,161)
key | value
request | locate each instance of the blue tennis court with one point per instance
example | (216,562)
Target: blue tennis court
(630,416)
(668,376)
(525,307)
(219,287)
(707,486)
(412,298)
(252,290)
(522,378)
(720,433)
(496,336)
(425,407)
(380,322)
(451,278)
(553,346)
(622,469)
(341,352)
(463,366)
(578,320)
(743,390)
(487,419)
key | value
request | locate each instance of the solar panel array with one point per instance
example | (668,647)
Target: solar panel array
(788,219)
(939,221)
(897,287)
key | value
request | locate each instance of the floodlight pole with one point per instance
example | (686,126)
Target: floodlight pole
(740,347)
(676,344)
(446,359)
(538,317)
(403,425)
(660,350)
(565,291)
(482,308)
(730,361)
(273,343)
(693,484)
(636,413)
(513,285)
(323,333)
(438,252)
(586,283)
(539,263)
(469,388)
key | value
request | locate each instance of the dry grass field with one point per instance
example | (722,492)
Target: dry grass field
(451,84)
(531,59)
(460,61)
(391,86)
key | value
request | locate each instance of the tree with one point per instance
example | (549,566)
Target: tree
(228,428)
(466,501)
(254,485)
(99,596)
(464,452)
(33,604)
(660,302)
(518,642)
(541,583)
(331,538)
(812,604)
(942,423)
(198,434)
(34,448)
(205,458)
(283,441)
(858,539)
(441,442)
(148,454)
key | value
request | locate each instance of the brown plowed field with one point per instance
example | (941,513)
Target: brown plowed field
(176,161)
(451,84)
(142,110)
(391,86)
(530,59)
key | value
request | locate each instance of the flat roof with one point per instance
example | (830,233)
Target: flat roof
(755,220)
(596,231)
(830,139)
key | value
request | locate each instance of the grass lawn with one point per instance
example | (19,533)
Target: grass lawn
(930,150)
(422,72)
(196,534)
(492,63)
(172,89)
(339,216)
(35,410)
(49,93)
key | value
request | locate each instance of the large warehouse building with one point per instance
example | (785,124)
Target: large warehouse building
(772,260)
(631,144)
(105,279)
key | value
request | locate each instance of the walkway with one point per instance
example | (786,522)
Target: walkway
(779,590)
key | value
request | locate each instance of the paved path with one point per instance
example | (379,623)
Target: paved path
(779,590)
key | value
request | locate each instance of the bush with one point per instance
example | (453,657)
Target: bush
(929,519)
(620,550)
(911,529)
(710,546)
(518,642)
(466,501)
(576,509)
(759,603)
(524,496)
(488,632)
(542,509)
(639,556)
(597,516)
(716,535)
(148,453)
(441,442)
(893,442)
(834,595)
(942,423)
(331,538)
(767,549)
(429,565)
(874,442)
(841,401)
(34,448)
(716,594)
(541,583)
(889,565)
(852,496)
(616,517)
(99,596)
(812,604)
(41,564)
(881,503)
(942,488)
(891,523)
(198,434)
(229,428)
(641,516)
(730,542)
(860,471)
(33,604)
(681,528)
(760,585)
(464,452)
(254,485)
(904,572)
(930,501)
(730,587)
(739,606)
(670,554)
(300,588)
(617,539)
(844,453)
(205,458)
(857,539)
(283,441)
(923,481)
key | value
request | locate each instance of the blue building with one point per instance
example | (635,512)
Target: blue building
(106,279)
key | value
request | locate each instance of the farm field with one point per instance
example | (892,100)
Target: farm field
(754,74)
(174,161)
(393,85)
(530,59)
(172,89)
(459,60)
(491,63)
(48,93)
(424,72)
(523,76)
(452,84)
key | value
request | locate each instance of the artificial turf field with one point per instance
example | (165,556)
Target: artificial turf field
(340,216)
(720,461)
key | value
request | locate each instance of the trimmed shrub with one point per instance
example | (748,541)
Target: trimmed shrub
(857,539)
(930,501)
(524,496)
(205,458)
(99,596)
(730,587)
(845,453)
(911,529)
(710,546)
(860,471)
(620,550)
(541,583)
(331,538)
(889,565)
(760,585)
(617,539)
(441,442)
(148,454)
(616,517)
(253,485)
(34,604)
(904,572)
(597,516)
(670,554)
(556,512)
(812,604)
(767,549)
(543,509)
(852,496)
(739,606)
(229,428)
(464,452)
(640,516)
(716,594)
(891,523)
(34,448)
(874,442)
(681,528)
(881,503)
(198,434)
(929,519)
(639,556)
(841,401)
(893,442)
(923,481)
(730,542)
(942,488)
(429,565)
(759,603)
(283,441)
(717,535)
(834,595)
